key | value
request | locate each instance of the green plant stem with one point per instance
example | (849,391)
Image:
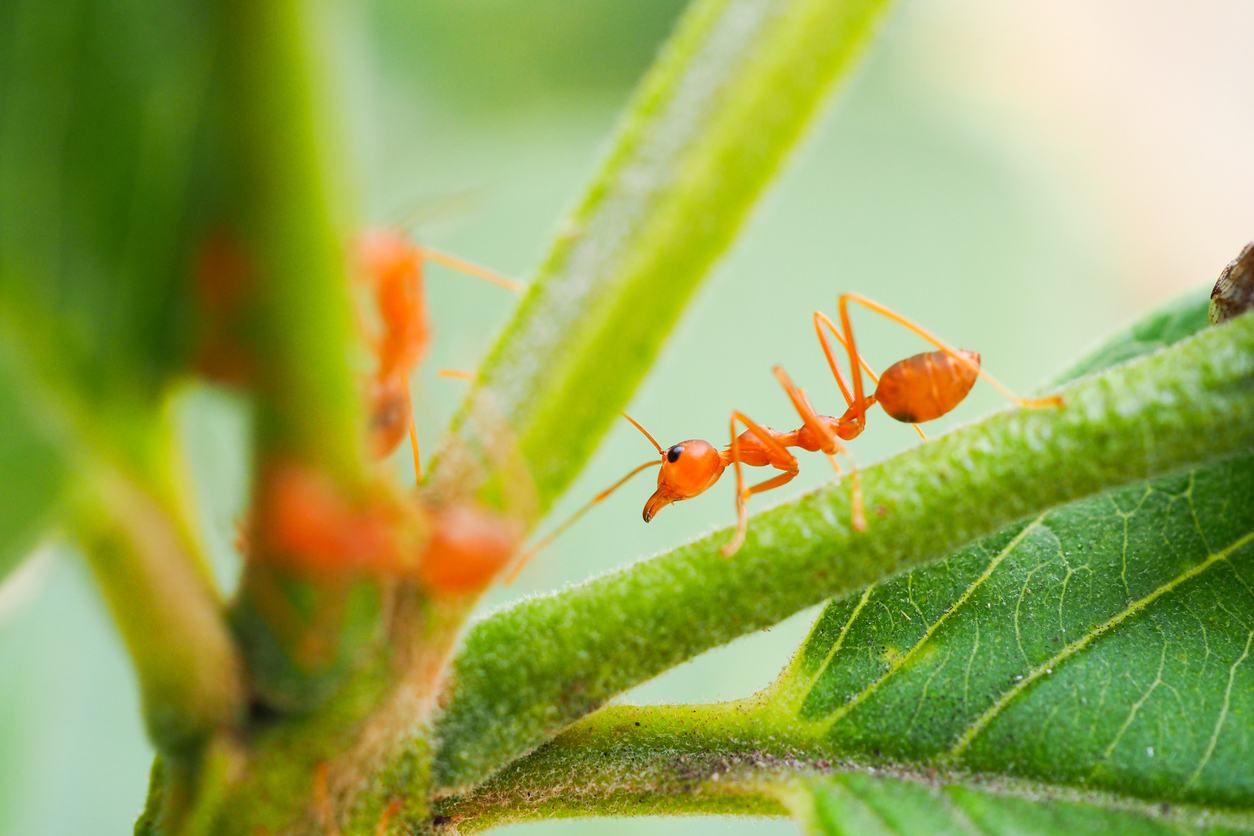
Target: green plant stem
(707,129)
(529,671)
(295,212)
(301,636)
(151,575)
(724,759)
(709,126)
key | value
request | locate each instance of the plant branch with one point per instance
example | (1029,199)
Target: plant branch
(152,577)
(301,635)
(722,759)
(531,670)
(709,126)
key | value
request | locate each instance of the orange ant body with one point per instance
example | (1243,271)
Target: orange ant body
(920,388)
(468,545)
(392,264)
(313,522)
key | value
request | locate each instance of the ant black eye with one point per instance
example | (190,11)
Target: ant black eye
(673,454)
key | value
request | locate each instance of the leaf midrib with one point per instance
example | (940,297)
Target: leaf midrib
(904,659)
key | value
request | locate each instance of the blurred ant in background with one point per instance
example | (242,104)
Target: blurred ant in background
(305,518)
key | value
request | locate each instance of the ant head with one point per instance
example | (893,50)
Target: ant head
(688,469)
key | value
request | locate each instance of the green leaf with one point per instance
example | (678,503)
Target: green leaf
(1165,325)
(109,178)
(1087,670)
(705,132)
(105,147)
(1102,645)
(32,472)
(528,671)
(863,805)
(1090,669)
(105,143)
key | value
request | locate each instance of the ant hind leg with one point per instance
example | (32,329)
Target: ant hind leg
(887,313)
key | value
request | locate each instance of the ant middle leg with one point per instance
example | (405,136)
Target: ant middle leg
(829,443)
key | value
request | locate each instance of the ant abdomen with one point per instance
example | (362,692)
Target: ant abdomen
(926,386)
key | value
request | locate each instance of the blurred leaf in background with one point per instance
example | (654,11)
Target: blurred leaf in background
(106,138)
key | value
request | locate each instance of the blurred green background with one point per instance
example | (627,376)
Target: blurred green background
(1019,180)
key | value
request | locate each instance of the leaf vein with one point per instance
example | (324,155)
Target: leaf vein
(1136,706)
(905,658)
(965,739)
(844,631)
(1223,713)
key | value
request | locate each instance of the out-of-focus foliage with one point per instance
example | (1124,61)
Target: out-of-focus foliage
(105,187)
(106,144)
(484,53)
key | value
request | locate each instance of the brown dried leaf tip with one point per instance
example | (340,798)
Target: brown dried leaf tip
(1234,292)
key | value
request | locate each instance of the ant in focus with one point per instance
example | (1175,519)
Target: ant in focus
(918,389)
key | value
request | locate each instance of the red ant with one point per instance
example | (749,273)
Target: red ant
(315,522)
(920,388)
(392,264)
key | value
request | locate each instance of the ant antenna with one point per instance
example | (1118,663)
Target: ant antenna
(636,424)
(596,500)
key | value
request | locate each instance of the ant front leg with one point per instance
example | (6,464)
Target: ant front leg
(777,456)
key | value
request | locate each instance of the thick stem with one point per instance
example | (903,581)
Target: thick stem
(301,635)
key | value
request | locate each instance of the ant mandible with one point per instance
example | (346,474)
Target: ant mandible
(920,388)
